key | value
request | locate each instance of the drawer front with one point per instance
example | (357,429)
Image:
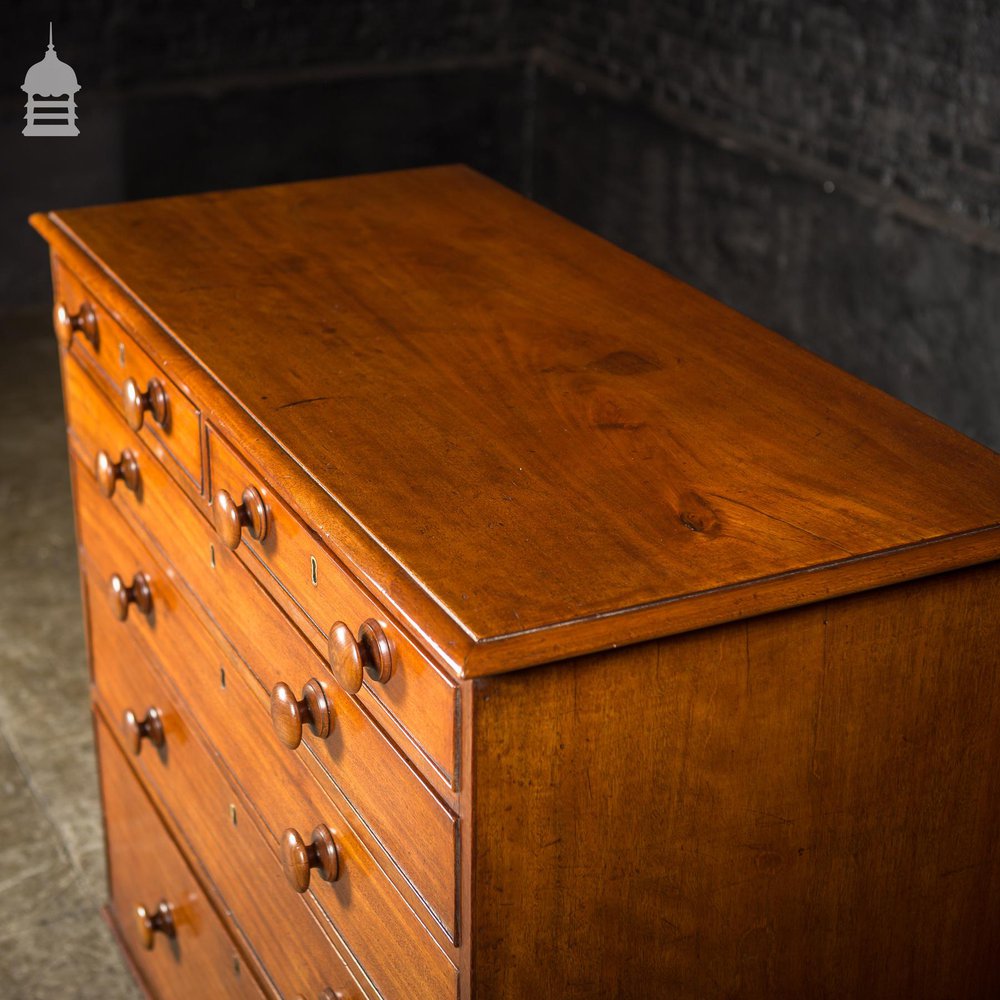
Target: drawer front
(297,955)
(391,804)
(399,813)
(417,694)
(96,429)
(119,364)
(189,953)
(379,928)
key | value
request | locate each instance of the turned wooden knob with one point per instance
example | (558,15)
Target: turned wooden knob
(351,658)
(121,596)
(231,517)
(149,923)
(83,321)
(108,472)
(299,858)
(137,403)
(136,730)
(289,715)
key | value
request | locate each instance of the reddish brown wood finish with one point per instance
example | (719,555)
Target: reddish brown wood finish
(419,694)
(801,805)
(299,857)
(289,714)
(231,517)
(138,386)
(364,648)
(84,321)
(135,730)
(108,472)
(177,943)
(361,905)
(393,812)
(296,950)
(484,440)
(511,406)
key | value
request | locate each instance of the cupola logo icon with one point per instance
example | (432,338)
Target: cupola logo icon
(51,88)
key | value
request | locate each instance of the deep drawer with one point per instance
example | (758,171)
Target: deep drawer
(189,953)
(295,951)
(119,365)
(363,906)
(242,860)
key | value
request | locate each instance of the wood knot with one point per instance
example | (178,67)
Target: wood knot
(625,363)
(698,516)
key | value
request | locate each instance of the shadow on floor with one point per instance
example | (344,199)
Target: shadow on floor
(53,941)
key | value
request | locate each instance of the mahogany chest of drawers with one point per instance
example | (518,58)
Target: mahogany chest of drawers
(475,611)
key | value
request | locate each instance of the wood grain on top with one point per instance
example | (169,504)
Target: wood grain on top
(540,429)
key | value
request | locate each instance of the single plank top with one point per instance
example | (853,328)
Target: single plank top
(548,436)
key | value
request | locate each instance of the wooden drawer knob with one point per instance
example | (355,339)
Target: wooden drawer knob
(299,858)
(351,658)
(83,321)
(136,730)
(108,472)
(149,923)
(289,715)
(137,403)
(122,596)
(231,517)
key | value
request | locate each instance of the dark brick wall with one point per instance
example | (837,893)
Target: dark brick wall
(188,96)
(904,94)
(135,43)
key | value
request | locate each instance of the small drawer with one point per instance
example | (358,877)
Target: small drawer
(176,940)
(242,857)
(151,403)
(409,687)
(392,806)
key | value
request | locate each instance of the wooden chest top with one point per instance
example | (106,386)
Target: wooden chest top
(560,447)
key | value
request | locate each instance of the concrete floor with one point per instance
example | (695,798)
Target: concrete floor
(53,941)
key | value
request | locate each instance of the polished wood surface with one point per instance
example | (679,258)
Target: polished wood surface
(511,406)
(150,922)
(109,472)
(136,403)
(398,828)
(232,517)
(352,658)
(122,595)
(84,321)
(757,757)
(417,705)
(139,389)
(135,730)
(175,939)
(360,904)
(299,857)
(804,800)
(246,880)
(289,714)
(420,698)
